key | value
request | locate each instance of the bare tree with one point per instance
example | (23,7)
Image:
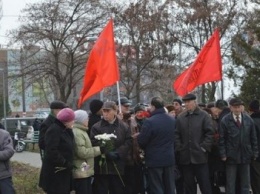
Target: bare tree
(54,38)
(193,22)
(145,49)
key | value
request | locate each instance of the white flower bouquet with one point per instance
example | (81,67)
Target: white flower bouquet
(106,140)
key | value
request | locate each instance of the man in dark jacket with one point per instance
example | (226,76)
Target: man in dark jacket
(156,138)
(55,107)
(255,164)
(237,146)
(6,152)
(108,174)
(193,141)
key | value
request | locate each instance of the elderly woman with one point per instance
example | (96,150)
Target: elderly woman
(84,154)
(56,172)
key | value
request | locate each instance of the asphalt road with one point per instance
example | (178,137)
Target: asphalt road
(31,158)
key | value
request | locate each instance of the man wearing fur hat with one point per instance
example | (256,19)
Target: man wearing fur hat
(193,141)
(237,146)
(255,164)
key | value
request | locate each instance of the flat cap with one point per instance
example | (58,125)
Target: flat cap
(189,97)
(236,102)
(109,105)
(56,104)
(125,101)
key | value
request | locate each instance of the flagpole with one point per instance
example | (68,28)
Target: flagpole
(118,97)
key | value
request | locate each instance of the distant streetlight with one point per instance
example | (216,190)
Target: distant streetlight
(4,96)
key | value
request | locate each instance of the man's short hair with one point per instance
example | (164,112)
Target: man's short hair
(157,102)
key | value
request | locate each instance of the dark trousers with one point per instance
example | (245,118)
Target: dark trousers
(255,176)
(199,173)
(83,185)
(240,171)
(161,180)
(134,179)
(108,183)
(6,186)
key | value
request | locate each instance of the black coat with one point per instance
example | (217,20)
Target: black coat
(122,145)
(194,137)
(237,144)
(43,128)
(59,145)
(256,117)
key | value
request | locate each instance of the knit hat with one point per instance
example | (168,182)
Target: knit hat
(254,106)
(95,105)
(177,100)
(81,116)
(56,104)
(66,115)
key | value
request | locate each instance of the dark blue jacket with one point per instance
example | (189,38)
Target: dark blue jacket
(237,144)
(157,139)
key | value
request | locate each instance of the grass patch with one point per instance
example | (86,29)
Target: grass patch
(26,178)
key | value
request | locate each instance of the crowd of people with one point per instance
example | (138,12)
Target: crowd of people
(162,148)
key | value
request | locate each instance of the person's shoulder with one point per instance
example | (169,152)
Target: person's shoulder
(3,132)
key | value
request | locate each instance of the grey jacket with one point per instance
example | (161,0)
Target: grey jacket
(6,152)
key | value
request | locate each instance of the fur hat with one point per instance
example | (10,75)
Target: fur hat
(66,115)
(254,106)
(56,104)
(95,105)
(81,116)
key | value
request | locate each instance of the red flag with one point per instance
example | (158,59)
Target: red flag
(206,68)
(102,68)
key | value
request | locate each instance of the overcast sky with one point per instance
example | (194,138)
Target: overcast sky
(11,11)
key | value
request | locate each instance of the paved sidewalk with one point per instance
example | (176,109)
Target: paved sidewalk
(31,158)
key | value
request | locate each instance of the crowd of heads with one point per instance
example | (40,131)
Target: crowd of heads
(142,110)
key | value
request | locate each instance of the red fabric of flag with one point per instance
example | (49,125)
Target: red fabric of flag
(206,68)
(102,68)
